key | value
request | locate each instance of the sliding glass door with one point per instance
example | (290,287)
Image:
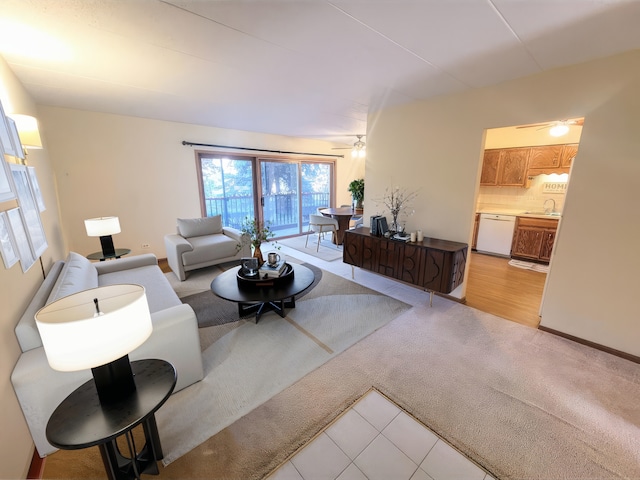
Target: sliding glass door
(291,191)
(316,189)
(288,190)
(227,188)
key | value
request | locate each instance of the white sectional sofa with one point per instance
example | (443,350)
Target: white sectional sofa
(40,389)
(202,242)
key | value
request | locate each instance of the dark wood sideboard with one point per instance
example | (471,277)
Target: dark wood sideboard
(433,264)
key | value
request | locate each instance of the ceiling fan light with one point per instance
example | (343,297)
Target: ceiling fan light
(559,130)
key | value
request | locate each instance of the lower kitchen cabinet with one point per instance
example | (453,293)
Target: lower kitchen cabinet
(433,264)
(533,238)
(476,227)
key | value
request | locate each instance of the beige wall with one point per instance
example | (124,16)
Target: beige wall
(16,288)
(138,170)
(437,145)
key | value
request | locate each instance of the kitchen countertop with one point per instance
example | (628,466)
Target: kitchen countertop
(520,213)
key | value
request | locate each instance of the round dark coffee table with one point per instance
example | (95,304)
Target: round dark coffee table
(264,296)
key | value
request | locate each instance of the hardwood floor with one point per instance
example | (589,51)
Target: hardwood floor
(496,287)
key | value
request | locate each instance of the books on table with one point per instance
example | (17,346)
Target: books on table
(272,271)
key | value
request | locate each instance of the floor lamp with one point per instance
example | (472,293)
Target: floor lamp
(97,329)
(103,227)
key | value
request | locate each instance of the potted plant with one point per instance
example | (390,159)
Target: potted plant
(255,233)
(356,188)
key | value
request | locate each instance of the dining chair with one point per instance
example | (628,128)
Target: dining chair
(356,220)
(320,224)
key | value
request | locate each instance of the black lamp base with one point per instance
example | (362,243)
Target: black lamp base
(108,250)
(114,381)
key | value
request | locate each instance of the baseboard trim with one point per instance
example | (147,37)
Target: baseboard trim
(597,346)
(36,469)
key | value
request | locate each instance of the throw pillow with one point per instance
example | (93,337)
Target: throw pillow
(196,227)
(78,274)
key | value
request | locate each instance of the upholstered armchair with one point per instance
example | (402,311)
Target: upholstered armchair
(202,242)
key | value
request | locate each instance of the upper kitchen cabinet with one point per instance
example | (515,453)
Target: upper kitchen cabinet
(549,159)
(505,167)
(490,164)
(569,152)
(547,156)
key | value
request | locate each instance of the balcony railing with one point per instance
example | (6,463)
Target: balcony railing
(280,210)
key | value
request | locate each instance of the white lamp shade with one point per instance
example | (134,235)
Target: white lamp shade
(76,338)
(102,226)
(27,130)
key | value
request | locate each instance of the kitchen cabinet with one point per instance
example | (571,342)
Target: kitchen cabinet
(505,167)
(549,159)
(533,238)
(490,163)
(476,227)
(546,156)
(433,264)
(569,151)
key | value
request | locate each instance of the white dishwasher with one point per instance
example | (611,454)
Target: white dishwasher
(495,234)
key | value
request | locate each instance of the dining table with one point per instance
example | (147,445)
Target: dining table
(343,216)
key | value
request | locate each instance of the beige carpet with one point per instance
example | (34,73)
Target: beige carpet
(523,403)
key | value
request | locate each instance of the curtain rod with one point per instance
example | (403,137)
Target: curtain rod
(192,144)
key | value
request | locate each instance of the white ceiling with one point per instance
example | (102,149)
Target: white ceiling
(308,68)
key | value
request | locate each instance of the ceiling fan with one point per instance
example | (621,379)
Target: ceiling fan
(359,148)
(557,128)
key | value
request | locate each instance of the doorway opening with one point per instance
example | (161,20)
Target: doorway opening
(523,184)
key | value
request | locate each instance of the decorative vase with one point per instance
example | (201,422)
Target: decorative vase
(257,253)
(394,227)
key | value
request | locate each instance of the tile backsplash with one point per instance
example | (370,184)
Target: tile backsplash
(541,188)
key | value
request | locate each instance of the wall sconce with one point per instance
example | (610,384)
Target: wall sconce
(104,227)
(27,130)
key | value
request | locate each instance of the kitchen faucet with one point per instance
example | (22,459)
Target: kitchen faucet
(553,208)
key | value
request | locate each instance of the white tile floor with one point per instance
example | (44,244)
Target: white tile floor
(376,440)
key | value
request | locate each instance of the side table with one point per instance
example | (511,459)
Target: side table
(119,252)
(81,421)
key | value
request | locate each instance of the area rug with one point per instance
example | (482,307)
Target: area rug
(536,267)
(248,363)
(327,251)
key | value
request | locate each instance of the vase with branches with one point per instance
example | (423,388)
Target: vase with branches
(398,202)
(255,233)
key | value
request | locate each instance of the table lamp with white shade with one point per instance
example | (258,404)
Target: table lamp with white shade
(97,329)
(104,227)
